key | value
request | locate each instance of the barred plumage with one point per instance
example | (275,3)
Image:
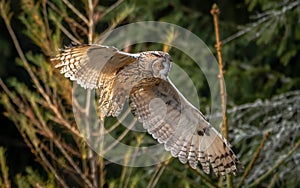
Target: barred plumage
(163,110)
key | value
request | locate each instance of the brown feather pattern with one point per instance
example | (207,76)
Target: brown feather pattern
(164,112)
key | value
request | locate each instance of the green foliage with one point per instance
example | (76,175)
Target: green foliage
(4,180)
(30,179)
(33,179)
(263,54)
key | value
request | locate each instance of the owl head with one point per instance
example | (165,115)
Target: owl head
(159,64)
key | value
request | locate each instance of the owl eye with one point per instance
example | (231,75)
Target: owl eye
(160,66)
(157,64)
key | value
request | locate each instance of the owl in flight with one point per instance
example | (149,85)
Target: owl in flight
(142,78)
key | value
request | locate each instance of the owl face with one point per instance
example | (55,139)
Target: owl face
(160,64)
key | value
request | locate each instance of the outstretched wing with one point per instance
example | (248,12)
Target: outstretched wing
(96,66)
(88,64)
(172,120)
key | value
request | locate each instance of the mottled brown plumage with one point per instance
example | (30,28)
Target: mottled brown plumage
(155,101)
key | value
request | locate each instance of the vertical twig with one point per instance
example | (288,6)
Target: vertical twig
(91,153)
(215,12)
(90,21)
(4,169)
(129,160)
(46,20)
(101,160)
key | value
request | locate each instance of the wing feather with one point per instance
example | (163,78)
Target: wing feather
(162,109)
(172,120)
(95,67)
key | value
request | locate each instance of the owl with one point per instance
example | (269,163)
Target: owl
(142,79)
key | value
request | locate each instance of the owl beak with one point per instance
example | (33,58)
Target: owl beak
(163,76)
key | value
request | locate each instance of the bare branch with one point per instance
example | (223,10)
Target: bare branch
(81,16)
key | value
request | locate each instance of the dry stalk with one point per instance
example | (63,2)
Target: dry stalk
(215,12)
(76,11)
(91,154)
(158,172)
(4,170)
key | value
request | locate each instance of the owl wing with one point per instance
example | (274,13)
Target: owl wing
(96,66)
(173,121)
(88,64)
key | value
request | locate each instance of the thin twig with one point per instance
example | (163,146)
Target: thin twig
(157,174)
(19,50)
(81,16)
(101,160)
(150,183)
(133,159)
(49,134)
(255,157)
(263,17)
(46,97)
(215,12)
(112,7)
(34,142)
(103,36)
(69,20)
(30,72)
(121,119)
(73,164)
(15,100)
(36,151)
(66,32)
(205,179)
(273,181)
(91,153)
(4,169)
(90,21)
(279,162)
(124,171)
(46,20)
(51,168)
(121,136)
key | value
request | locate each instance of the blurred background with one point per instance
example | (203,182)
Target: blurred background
(261,42)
